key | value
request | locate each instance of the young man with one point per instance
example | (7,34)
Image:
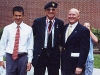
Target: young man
(17,43)
(75,45)
(47,32)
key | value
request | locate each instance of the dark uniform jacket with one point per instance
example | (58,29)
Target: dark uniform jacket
(39,27)
(77,42)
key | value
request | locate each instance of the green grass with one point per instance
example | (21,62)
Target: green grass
(96,60)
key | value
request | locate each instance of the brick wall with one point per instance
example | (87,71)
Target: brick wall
(89,10)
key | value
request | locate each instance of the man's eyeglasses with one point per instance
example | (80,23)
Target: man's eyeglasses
(50,9)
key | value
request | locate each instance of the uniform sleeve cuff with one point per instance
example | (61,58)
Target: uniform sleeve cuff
(30,60)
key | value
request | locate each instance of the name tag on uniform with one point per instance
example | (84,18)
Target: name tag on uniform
(75,54)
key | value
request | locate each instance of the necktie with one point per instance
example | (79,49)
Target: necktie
(16,44)
(49,45)
(50,25)
(69,31)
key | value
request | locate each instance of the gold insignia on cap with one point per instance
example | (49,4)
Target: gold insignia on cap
(53,4)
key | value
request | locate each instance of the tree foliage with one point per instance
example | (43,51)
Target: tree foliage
(97,33)
(1,30)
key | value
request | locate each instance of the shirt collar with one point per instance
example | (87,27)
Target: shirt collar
(49,20)
(73,25)
(15,25)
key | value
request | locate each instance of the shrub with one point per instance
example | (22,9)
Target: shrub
(97,33)
(1,30)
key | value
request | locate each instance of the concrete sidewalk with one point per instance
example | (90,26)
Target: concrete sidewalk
(95,72)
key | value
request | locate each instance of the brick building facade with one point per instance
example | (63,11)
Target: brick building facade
(89,9)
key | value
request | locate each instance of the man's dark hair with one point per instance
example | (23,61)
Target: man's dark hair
(19,9)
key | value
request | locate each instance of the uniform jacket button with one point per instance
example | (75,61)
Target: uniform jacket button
(38,55)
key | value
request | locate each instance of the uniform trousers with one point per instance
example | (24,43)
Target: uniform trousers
(43,62)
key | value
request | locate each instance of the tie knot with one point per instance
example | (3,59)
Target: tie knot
(18,26)
(50,22)
(70,26)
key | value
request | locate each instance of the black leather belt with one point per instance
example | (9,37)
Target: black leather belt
(19,55)
(22,54)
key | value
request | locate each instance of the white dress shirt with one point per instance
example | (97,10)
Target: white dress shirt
(46,32)
(25,41)
(72,28)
